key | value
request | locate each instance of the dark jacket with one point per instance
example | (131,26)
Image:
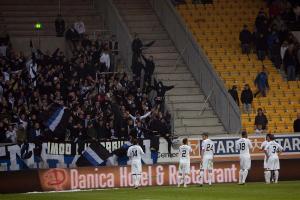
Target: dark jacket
(160,88)
(247,96)
(245,37)
(149,66)
(289,59)
(261,120)
(261,43)
(235,96)
(297,125)
(136,45)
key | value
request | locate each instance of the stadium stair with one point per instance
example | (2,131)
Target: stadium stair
(216,27)
(186,100)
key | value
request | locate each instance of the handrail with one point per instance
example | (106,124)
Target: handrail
(199,65)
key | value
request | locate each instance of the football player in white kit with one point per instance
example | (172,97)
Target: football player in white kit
(207,155)
(272,150)
(135,153)
(244,145)
(184,162)
(262,147)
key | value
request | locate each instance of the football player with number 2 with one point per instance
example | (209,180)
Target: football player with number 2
(184,162)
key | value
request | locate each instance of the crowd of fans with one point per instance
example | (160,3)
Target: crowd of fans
(102,104)
(272,37)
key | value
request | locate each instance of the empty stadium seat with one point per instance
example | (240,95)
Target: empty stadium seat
(217,31)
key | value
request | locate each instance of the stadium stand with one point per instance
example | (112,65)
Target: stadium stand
(216,26)
(81,98)
(186,100)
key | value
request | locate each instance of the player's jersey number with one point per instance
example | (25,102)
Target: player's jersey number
(134,153)
(209,147)
(183,154)
(242,146)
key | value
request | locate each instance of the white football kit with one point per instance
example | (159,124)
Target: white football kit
(207,148)
(184,159)
(272,150)
(135,153)
(243,145)
(262,147)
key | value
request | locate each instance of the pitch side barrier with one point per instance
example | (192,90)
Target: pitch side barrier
(85,178)
(164,172)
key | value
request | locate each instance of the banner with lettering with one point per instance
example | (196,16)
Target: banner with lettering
(65,155)
(225,148)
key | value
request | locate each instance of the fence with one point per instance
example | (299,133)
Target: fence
(202,70)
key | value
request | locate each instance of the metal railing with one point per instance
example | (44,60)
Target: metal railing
(202,70)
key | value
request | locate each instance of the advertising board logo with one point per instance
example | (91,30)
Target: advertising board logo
(55,179)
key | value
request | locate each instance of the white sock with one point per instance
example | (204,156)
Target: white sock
(276,173)
(209,177)
(138,178)
(179,180)
(268,176)
(265,175)
(134,177)
(184,179)
(201,177)
(245,174)
(241,176)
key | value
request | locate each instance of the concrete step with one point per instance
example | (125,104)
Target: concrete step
(150,36)
(149,17)
(185,76)
(165,56)
(167,49)
(187,114)
(49,13)
(44,2)
(189,98)
(46,26)
(187,105)
(41,32)
(141,30)
(181,83)
(198,130)
(49,19)
(28,8)
(170,63)
(167,70)
(136,12)
(184,91)
(197,122)
(143,24)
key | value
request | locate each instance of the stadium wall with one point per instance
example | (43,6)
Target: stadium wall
(118,177)
(65,155)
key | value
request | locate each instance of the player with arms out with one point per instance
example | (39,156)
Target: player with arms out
(207,155)
(244,145)
(135,153)
(184,162)
(262,148)
(272,150)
